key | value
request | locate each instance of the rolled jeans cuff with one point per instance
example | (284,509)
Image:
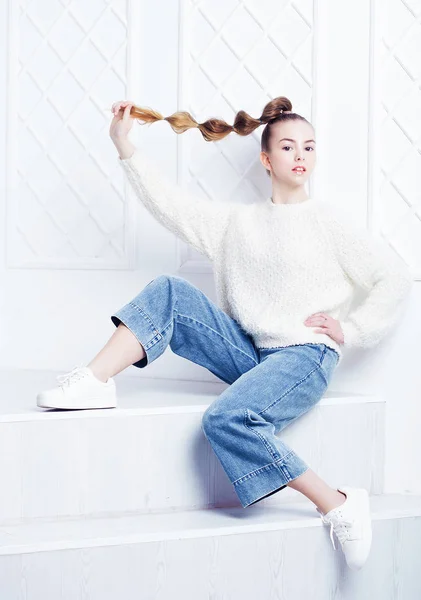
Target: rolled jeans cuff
(143,328)
(269,479)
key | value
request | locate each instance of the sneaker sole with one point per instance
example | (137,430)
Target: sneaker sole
(94,403)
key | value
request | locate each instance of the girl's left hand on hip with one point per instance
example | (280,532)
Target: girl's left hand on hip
(328,325)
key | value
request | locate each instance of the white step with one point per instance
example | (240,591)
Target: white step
(257,552)
(150,454)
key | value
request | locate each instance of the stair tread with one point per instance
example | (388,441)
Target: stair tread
(19,387)
(57,534)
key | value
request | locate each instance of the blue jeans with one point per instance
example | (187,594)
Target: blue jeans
(269,387)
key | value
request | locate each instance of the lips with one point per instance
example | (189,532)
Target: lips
(299,169)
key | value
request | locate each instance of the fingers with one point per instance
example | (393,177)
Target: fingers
(322,321)
(120,104)
(126,114)
(116,106)
(323,331)
(317,321)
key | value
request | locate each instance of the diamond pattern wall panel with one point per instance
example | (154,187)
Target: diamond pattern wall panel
(239,54)
(399,198)
(66,202)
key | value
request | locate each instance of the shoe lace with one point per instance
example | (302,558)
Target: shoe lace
(342,527)
(69,378)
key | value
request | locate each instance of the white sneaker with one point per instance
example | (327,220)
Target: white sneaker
(351,522)
(79,389)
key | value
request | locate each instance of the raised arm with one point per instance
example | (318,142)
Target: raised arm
(197,221)
(373,266)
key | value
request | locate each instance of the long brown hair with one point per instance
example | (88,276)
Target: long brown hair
(212,130)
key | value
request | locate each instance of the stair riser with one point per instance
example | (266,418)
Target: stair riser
(293,563)
(122,462)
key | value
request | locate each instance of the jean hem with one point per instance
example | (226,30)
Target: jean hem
(269,479)
(143,328)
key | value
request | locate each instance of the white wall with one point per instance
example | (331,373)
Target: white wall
(338,63)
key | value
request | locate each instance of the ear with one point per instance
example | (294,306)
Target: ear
(264,159)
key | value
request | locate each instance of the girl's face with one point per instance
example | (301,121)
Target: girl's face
(292,144)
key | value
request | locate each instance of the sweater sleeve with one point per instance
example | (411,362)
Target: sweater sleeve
(372,265)
(197,221)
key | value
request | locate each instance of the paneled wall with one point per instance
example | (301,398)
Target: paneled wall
(65,202)
(396,135)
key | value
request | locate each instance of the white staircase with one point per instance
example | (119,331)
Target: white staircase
(132,502)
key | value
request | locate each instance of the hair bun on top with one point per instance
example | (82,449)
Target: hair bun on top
(275,118)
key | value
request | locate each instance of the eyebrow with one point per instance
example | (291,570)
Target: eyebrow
(291,140)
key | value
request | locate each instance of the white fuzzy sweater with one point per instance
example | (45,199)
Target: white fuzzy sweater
(276,264)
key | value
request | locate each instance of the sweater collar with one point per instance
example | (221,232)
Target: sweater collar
(293,207)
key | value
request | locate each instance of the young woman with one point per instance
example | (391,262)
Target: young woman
(285,271)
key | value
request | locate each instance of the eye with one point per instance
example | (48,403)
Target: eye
(307,148)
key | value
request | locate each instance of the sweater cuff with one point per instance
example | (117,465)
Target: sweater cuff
(124,160)
(351,334)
